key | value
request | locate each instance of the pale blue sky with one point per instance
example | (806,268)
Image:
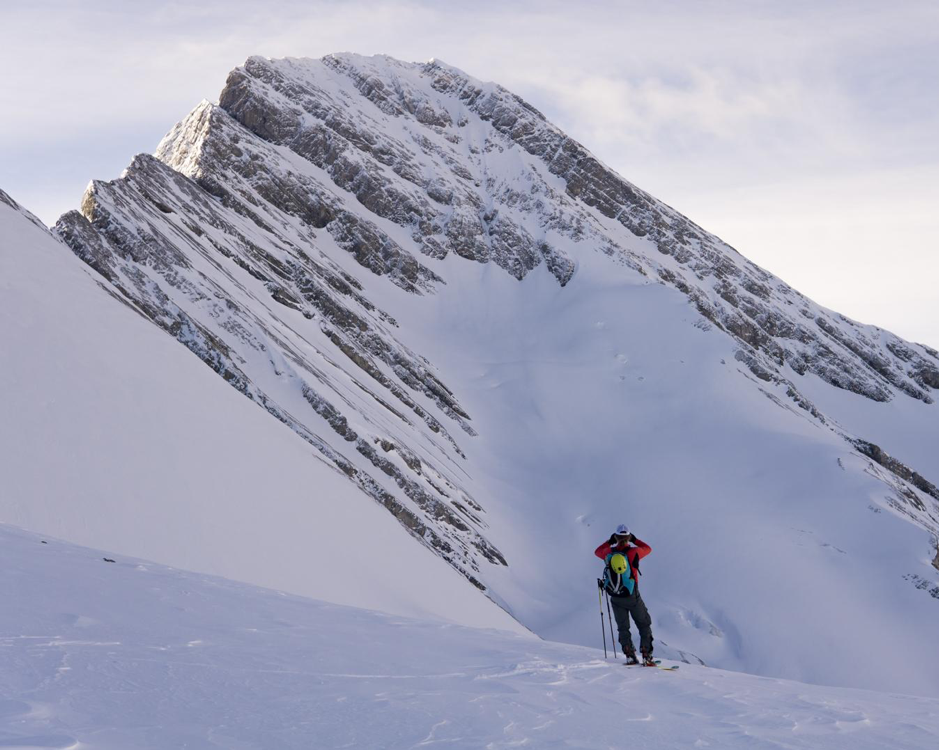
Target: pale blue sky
(803,133)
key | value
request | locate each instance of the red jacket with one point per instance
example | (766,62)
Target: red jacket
(633,554)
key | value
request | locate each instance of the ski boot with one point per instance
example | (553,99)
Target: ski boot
(647,660)
(631,659)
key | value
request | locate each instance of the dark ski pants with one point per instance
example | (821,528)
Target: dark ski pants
(623,607)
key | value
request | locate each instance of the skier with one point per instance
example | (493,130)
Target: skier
(622,553)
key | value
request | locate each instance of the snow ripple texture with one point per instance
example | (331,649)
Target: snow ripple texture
(134,655)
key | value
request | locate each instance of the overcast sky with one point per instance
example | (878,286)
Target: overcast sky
(805,134)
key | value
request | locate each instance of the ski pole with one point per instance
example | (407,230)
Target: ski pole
(612,638)
(602,624)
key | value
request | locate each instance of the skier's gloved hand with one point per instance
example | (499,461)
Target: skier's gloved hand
(632,538)
(613,540)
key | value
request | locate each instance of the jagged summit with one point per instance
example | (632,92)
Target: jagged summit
(504,343)
(452,198)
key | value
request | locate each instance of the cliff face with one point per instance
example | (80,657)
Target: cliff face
(242,285)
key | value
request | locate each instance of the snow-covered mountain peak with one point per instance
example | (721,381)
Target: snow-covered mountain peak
(509,347)
(180,147)
(475,169)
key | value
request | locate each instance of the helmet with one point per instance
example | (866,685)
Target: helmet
(618,564)
(622,530)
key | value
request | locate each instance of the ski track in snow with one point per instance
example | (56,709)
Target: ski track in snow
(136,655)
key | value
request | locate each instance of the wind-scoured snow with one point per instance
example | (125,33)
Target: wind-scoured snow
(130,654)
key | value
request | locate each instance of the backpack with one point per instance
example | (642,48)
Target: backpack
(618,584)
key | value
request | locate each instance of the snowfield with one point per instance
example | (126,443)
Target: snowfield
(131,654)
(777,550)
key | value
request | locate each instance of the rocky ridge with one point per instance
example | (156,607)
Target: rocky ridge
(779,329)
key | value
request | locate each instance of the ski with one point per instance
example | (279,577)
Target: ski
(658,665)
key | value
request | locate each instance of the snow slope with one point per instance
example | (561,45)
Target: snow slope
(777,549)
(113,435)
(132,655)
